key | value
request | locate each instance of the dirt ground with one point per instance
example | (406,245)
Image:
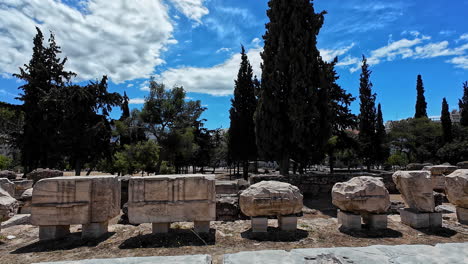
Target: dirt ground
(317,228)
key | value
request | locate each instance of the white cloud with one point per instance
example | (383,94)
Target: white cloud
(136,101)
(123,39)
(130,85)
(330,54)
(144,86)
(460,62)
(223,50)
(464,37)
(217,80)
(193,9)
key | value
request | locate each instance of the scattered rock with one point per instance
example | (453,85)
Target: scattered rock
(26,200)
(123,220)
(39,174)
(456,187)
(227,207)
(395,207)
(361,195)
(440,170)
(11,175)
(8,205)
(417,166)
(20,219)
(7,186)
(445,209)
(439,198)
(462,165)
(416,189)
(270,198)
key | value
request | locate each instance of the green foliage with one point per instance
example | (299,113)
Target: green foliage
(446,122)
(421,105)
(419,138)
(292,109)
(398,159)
(457,150)
(140,157)
(463,104)
(382,150)
(5,162)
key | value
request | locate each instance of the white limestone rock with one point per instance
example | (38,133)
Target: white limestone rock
(456,187)
(361,195)
(8,205)
(271,198)
(438,174)
(39,174)
(416,189)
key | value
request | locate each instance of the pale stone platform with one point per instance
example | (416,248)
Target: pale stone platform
(188,259)
(401,254)
(462,215)
(350,221)
(420,220)
(59,202)
(164,199)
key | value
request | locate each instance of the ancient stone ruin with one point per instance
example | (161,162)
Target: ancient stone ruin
(438,174)
(417,191)
(8,205)
(60,202)
(161,200)
(39,174)
(456,187)
(272,198)
(364,197)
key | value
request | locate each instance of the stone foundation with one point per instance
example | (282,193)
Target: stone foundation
(375,221)
(94,230)
(287,223)
(259,224)
(349,221)
(161,228)
(416,219)
(53,232)
(462,215)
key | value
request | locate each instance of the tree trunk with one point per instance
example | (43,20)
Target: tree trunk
(78,167)
(331,161)
(245,170)
(284,165)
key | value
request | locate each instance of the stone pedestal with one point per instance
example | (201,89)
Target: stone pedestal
(462,215)
(259,224)
(349,221)
(53,232)
(420,220)
(375,221)
(161,228)
(94,230)
(287,222)
(201,226)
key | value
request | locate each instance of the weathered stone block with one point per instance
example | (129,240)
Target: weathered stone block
(39,174)
(161,228)
(271,198)
(349,221)
(457,188)
(11,175)
(8,205)
(227,207)
(8,186)
(416,189)
(416,219)
(287,222)
(361,195)
(172,198)
(94,230)
(75,200)
(201,226)
(259,224)
(226,187)
(21,187)
(53,232)
(375,221)
(462,215)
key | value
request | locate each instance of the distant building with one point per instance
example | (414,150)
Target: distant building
(455,116)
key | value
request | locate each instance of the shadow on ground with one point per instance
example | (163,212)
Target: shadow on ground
(321,203)
(175,238)
(69,242)
(368,233)
(441,232)
(274,234)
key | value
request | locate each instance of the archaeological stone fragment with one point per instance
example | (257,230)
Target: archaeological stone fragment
(416,189)
(456,188)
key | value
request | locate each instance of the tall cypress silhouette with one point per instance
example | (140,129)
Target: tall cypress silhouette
(463,104)
(421,105)
(446,122)
(288,117)
(242,144)
(382,151)
(125,108)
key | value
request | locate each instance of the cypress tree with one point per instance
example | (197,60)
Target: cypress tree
(242,130)
(382,151)
(367,116)
(446,122)
(288,118)
(463,104)
(421,104)
(125,109)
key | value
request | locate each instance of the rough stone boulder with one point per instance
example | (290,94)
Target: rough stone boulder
(416,189)
(7,186)
(271,198)
(417,166)
(26,200)
(40,174)
(456,187)
(8,205)
(361,195)
(11,175)
(463,165)
(438,174)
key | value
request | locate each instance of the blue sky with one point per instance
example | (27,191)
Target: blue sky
(195,43)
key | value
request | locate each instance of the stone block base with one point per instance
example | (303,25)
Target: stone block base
(161,228)
(462,215)
(375,221)
(287,223)
(53,232)
(349,221)
(94,230)
(201,226)
(259,224)
(420,220)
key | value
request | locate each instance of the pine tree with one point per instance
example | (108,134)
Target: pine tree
(43,76)
(125,109)
(288,117)
(382,151)
(463,104)
(421,104)
(446,122)
(242,130)
(367,116)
